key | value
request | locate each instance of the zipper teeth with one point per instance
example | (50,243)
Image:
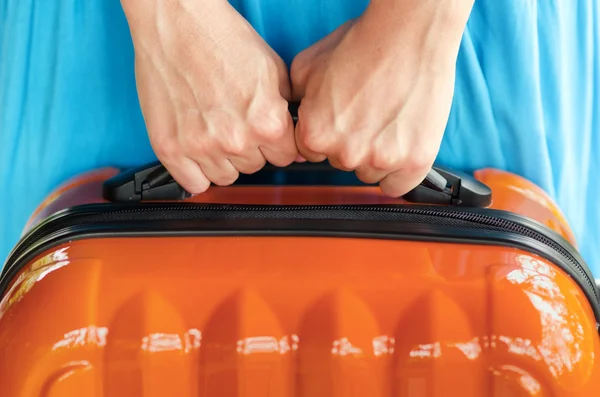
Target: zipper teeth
(445,213)
(461,215)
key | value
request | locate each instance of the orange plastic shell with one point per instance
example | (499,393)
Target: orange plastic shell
(297,316)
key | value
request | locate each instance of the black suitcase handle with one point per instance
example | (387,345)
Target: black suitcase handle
(153,182)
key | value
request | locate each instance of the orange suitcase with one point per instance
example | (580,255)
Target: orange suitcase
(270,288)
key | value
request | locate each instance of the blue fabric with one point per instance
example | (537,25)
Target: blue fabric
(526,99)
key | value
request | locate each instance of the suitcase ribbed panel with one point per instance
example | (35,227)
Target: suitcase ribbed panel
(424,365)
(243,350)
(336,356)
(137,359)
(395,320)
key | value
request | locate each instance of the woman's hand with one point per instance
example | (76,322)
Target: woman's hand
(377,92)
(214,95)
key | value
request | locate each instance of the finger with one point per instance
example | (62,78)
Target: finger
(162,126)
(400,182)
(252,161)
(351,154)
(188,174)
(302,149)
(219,171)
(370,175)
(282,155)
(283,151)
(164,143)
(336,163)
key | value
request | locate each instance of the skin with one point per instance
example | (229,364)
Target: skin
(375,94)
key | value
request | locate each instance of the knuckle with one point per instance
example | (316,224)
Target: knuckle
(252,168)
(272,126)
(192,142)
(198,187)
(349,160)
(387,159)
(312,141)
(235,142)
(256,166)
(226,180)
(282,159)
(312,136)
(249,165)
(367,178)
(275,131)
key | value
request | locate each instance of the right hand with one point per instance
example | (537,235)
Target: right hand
(213,94)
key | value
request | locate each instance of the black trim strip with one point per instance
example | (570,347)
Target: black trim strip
(414,223)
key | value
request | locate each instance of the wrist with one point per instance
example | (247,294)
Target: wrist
(433,28)
(138,6)
(452,8)
(406,14)
(148,16)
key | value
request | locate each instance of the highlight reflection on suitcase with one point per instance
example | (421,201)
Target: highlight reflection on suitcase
(269,288)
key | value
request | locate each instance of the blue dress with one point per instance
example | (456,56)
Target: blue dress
(527,95)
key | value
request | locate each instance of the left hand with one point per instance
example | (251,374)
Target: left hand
(377,92)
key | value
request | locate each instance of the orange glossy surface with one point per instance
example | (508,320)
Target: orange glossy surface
(269,316)
(84,189)
(295,317)
(516,194)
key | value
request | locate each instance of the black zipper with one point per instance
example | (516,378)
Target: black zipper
(412,222)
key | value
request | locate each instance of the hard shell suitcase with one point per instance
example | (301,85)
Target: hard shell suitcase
(468,286)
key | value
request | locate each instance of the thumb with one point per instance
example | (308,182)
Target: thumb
(400,182)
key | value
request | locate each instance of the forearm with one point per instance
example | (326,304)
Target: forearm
(452,11)
(433,28)
(144,13)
